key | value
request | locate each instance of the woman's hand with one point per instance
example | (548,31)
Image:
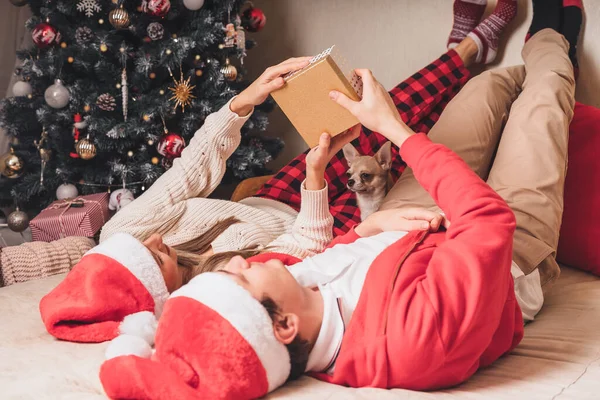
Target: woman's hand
(375,110)
(264,85)
(318,157)
(409,219)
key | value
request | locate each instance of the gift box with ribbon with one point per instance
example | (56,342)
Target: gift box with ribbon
(80,216)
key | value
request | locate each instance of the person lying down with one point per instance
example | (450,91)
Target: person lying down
(391,304)
(382,306)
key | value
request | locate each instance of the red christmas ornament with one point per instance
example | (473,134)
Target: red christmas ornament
(156,8)
(170,145)
(45,35)
(254,19)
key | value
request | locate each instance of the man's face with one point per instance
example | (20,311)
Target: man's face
(267,280)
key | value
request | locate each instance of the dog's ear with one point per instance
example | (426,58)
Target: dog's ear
(384,156)
(350,153)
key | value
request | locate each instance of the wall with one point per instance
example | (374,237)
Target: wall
(394,38)
(13,36)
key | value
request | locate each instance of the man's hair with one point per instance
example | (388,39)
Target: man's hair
(299,348)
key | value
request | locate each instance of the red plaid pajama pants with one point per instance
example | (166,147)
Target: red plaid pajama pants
(420,100)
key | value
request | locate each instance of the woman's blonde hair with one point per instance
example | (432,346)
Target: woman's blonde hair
(190,258)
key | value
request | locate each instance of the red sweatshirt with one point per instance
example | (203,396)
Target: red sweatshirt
(435,307)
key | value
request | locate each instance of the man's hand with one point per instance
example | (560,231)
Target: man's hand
(410,219)
(375,110)
(264,85)
(318,158)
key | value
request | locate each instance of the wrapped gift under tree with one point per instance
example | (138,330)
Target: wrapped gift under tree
(80,216)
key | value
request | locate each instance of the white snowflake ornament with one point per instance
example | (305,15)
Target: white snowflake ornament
(89,7)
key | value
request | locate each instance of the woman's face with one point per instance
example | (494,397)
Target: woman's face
(166,258)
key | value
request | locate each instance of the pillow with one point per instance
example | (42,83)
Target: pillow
(579,244)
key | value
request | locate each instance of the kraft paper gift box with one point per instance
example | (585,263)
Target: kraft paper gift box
(81,216)
(305,98)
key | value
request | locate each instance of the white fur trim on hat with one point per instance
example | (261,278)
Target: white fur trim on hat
(247,316)
(133,255)
(128,345)
(142,324)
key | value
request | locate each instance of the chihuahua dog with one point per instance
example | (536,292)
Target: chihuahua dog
(369,177)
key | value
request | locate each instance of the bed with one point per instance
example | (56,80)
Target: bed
(559,358)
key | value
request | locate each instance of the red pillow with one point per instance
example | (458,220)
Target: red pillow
(579,244)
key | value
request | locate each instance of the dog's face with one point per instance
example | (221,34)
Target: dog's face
(366,173)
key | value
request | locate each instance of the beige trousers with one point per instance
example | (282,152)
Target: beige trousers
(511,127)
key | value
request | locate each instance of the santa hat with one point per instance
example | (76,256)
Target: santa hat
(116,288)
(214,341)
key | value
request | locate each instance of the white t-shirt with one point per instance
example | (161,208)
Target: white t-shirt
(339,273)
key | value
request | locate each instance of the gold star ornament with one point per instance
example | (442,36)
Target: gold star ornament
(182,92)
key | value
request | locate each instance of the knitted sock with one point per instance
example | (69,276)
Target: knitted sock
(571,27)
(487,34)
(467,14)
(546,14)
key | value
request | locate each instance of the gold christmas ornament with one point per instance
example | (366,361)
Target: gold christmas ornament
(45,153)
(199,72)
(100,21)
(86,149)
(63,45)
(119,18)
(11,165)
(182,91)
(103,47)
(70,60)
(152,75)
(87,108)
(229,71)
(146,118)
(154,160)
(150,142)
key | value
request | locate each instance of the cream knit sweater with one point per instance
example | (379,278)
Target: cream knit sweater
(177,207)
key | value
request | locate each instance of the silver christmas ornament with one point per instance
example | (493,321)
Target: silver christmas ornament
(66,191)
(124,93)
(18,221)
(57,95)
(193,4)
(22,88)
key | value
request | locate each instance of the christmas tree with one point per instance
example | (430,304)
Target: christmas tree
(113,90)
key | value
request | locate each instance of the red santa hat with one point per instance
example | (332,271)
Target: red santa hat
(214,341)
(116,288)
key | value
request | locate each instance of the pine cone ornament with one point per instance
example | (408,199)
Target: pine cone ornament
(83,35)
(106,102)
(155,31)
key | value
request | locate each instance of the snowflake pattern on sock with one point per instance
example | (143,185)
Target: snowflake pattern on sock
(467,14)
(487,34)
(89,7)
